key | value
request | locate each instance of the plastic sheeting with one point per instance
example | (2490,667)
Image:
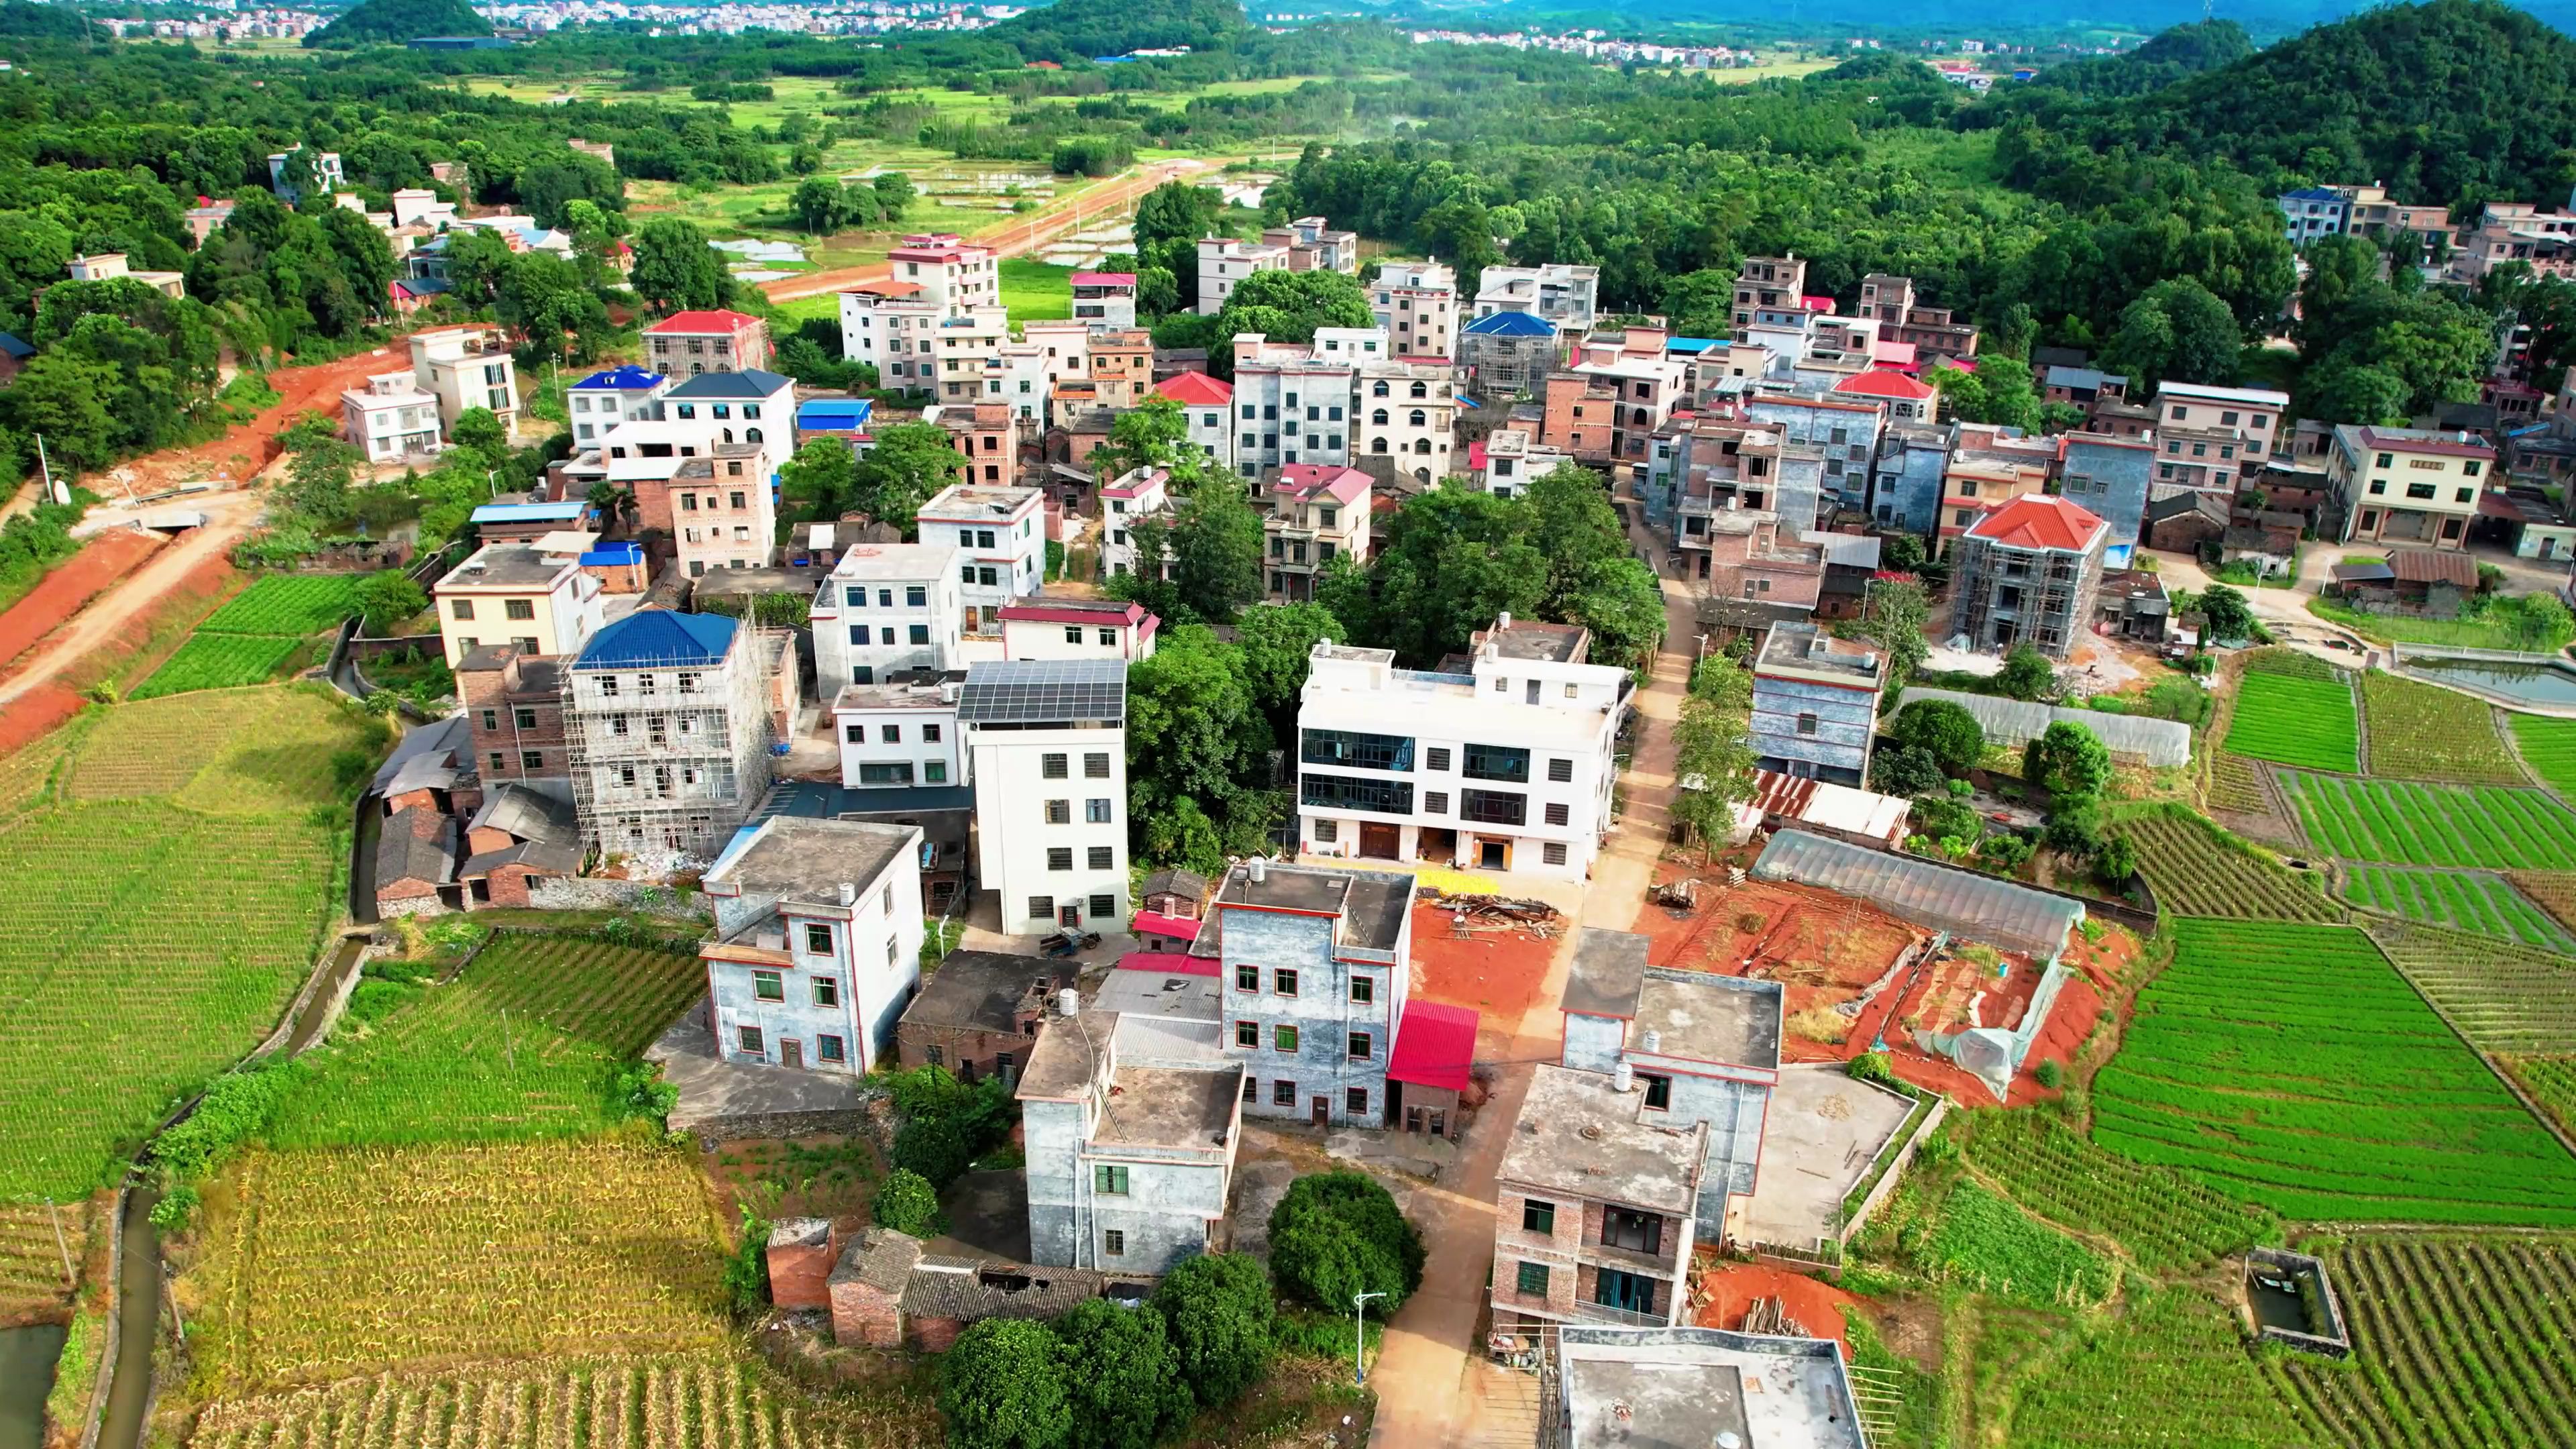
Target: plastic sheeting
(1970,906)
(2013,722)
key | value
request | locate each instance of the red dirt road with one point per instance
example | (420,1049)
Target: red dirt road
(71,585)
(246,448)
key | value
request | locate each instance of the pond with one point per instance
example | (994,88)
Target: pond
(2505,679)
(27,1358)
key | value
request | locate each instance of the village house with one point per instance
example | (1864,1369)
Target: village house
(1563,295)
(1224,263)
(1170,905)
(667,720)
(1417,304)
(2027,573)
(1049,745)
(978,1014)
(1639,1386)
(614,395)
(901,730)
(887,607)
(464,368)
(1318,512)
(1001,547)
(1411,417)
(535,598)
(817,942)
(1815,704)
(1125,501)
(1050,627)
(513,704)
(954,275)
(1597,1201)
(1313,966)
(1104,299)
(1505,354)
(1208,404)
(2214,438)
(391,418)
(889,326)
(686,344)
(522,833)
(2406,486)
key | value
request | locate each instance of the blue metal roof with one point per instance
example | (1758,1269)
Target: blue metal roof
(624,379)
(658,638)
(835,412)
(1512,324)
(751,382)
(15,346)
(567,511)
(1689,346)
(2314,193)
(613,553)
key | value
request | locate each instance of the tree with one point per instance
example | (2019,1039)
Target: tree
(1447,564)
(907,1203)
(1336,1234)
(1196,744)
(821,481)
(549,187)
(1893,615)
(2027,674)
(2178,329)
(1713,755)
(2074,826)
(893,194)
(59,396)
(1002,1386)
(1216,541)
(553,306)
(675,269)
(1278,641)
(1123,1377)
(2534,622)
(2067,759)
(1902,553)
(1942,730)
(480,429)
(1221,1315)
(2226,615)
(910,463)
(388,598)
(1154,433)
(1904,770)
(822,204)
(2116,861)
(1702,303)
(1998,391)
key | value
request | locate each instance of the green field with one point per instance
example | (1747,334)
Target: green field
(2295,721)
(219,661)
(1035,291)
(2196,869)
(167,903)
(287,604)
(2502,997)
(2170,1370)
(2168,1222)
(2449,633)
(2549,747)
(2425,732)
(2470,900)
(2403,823)
(2550,1077)
(2293,1067)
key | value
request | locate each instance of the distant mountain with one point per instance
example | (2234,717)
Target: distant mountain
(2266,18)
(2179,53)
(377,22)
(1081,29)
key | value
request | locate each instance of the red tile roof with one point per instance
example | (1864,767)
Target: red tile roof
(1170,963)
(1305,480)
(2039,520)
(1434,1046)
(1102,279)
(1154,923)
(702,322)
(1880,382)
(1195,389)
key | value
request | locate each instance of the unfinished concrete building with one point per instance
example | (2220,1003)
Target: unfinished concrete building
(666,730)
(2027,573)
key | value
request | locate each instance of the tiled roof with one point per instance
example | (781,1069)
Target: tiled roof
(659,638)
(2434,566)
(1195,389)
(703,321)
(750,382)
(1511,324)
(621,378)
(2039,520)
(1305,480)
(1102,279)
(1880,382)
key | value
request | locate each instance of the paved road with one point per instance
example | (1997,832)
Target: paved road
(1436,1387)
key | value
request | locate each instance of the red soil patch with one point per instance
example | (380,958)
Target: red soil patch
(1496,973)
(1725,1291)
(35,714)
(244,449)
(78,579)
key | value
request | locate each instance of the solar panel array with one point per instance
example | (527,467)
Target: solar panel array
(1030,691)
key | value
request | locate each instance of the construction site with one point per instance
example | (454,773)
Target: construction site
(667,726)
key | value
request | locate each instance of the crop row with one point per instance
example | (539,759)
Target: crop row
(2554,891)
(708,1400)
(2168,1222)
(31,1257)
(2549,746)
(2551,1080)
(2235,785)
(2172,1371)
(2459,1343)
(2422,731)
(288,604)
(2199,870)
(2470,900)
(2291,1066)
(2292,720)
(254,750)
(2410,824)
(2503,997)
(219,661)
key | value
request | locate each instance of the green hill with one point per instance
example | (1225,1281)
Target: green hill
(391,22)
(2175,55)
(1081,29)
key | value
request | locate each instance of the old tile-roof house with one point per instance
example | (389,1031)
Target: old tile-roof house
(523,833)
(978,1014)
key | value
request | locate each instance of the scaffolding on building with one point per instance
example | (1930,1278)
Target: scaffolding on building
(666,761)
(2044,596)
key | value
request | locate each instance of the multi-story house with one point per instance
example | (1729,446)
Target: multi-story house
(1815,704)
(1773,282)
(1312,963)
(2374,215)
(2406,486)
(1224,263)
(538,601)
(886,609)
(390,418)
(686,344)
(1104,299)
(667,725)
(1750,558)
(466,367)
(1568,298)
(1700,465)
(1694,1046)
(1507,766)
(1000,536)
(1313,245)
(744,406)
(1412,416)
(514,709)
(1049,746)
(1930,331)
(1596,1207)
(2315,211)
(1643,390)
(1906,486)
(889,326)
(601,401)
(984,435)
(327,167)
(725,512)
(2214,438)
(966,344)
(1416,303)
(1971,486)
(1209,404)
(1843,428)
(901,731)
(1905,399)
(1067,346)
(114,266)
(817,943)
(2542,238)
(1048,627)
(1018,377)
(2111,477)
(1507,354)
(1318,513)
(1125,501)
(1295,403)
(2028,573)
(1509,461)
(1122,366)
(954,275)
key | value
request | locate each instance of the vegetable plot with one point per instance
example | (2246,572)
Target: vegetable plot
(2199,870)
(2404,823)
(2422,731)
(295,604)
(218,661)
(2548,745)
(2501,996)
(2168,1222)
(2293,720)
(2469,900)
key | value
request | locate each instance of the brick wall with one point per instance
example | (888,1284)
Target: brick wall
(798,1272)
(861,1314)
(960,1049)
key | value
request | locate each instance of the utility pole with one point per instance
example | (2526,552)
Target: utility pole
(1359,1336)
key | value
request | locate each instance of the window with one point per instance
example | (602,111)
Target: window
(930,734)
(1637,1232)
(1436,758)
(1628,1292)
(1283,1094)
(2469,468)
(1095,766)
(1054,767)
(1493,807)
(461,608)
(1247,1033)
(1060,858)
(1659,1090)
(1283,979)
(1041,908)
(1073,633)
(1247,978)
(2420,491)
(1498,762)
(532,759)
(1364,989)
(1532,1280)
(827,991)
(890,734)
(768,986)
(1099,857)
(1113,1242)
(1436,802)
(1557,814)
(1328,831)
(1561,771)
(1386,797)
(934,772)
(884,772)
(518,609)
(748,1038)
(818,939)
(1283,1039)
(1059,812)
(1109,1180)
(1355,1101)
(1352,750)
(1361,1046)
(1538,1217)
(829,1048)
(1553,852)
(1096,812)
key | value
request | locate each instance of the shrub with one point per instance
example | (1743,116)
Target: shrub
(1943,818)
(234,1109)
(1904,771)
(2050,1073)
(1338,1234)
(746,1273)
(176,1206)
(1003,1387)
(947,1123)
(2026,675)
(1871,1067)
(2005,850)
(1122,1377)
(1221,1316)
(1943,730)
(908,1203)
(2116,861)
(2074,826)
(637,1090)
(2067,759)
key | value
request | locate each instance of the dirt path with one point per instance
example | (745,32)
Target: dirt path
(112,610)
(1011,237)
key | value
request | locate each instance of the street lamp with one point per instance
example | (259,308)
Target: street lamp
(1359,1336)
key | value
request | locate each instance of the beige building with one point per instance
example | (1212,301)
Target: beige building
(2214,438)
(1417,304)
(967,345)
(1318,512)
(2407,486)
(110,266)
(467,367)
(1408,414)
(533,597)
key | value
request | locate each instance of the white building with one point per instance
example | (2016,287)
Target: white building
(1104,299)
(419,206)
(1072,628)
(888,607)
(901,731)
(1417,304)
(1209,404)
(1224,263)
(1000,532)
(1565,295)
(1049,739)
(466,367)
(1295,403)
(615,395)
(1513,461)
(1067,346)
(1125,501)
(1018,376)
(390,418)
(954,275)
(1412,416)
(1507,767)
(534,597)
(966,344)
(817,943)
(887,325)
(326,164)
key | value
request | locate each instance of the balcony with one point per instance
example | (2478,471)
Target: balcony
(1604,1313)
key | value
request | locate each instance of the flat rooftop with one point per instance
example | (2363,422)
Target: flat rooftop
(1710,1018)
(896,561)
(1531,639)
(1171,1107)
(1685,1388)
(808,860)
(1159,995)
(1608,968)
(1371,903)
(1579,1137)
(1807,650)
(910,689)
(507,566)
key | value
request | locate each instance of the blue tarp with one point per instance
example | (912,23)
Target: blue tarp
(567,511)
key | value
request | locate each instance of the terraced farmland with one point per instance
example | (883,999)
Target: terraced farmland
(2422,731)
(2235,785)
(2460,1342)
(2552,891)
(2172,1370)
(2291,1066)
(219,661)
(2548,745)
(293,604)
(2470,900)
(2403,823)
(2503,997)
(2168,1222)
(2293,719)
(2199,870)
(31,1257)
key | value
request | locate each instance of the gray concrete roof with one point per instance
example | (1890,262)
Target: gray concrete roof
(506,566)
(1171,1107)
(807,860)
(1578,1137)
(1608,966)
(1159,995)
(1682,1388)
(1710,1018)
(896,561)
(1371,903)
(1067,1055)
(981,990)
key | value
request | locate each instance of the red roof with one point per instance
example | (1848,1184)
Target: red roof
(1434,1046)
(1072,611)
(887,288)
(2039,520)
(1170,963)
(1102,279)
(1818,304)
(1154,923)
(1880,382)
(1195,389)
(1305,480)
(704,322)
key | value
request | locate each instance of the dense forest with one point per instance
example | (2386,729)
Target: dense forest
(374,21)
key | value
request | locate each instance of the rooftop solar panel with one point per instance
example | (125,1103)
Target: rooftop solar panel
(1026,691)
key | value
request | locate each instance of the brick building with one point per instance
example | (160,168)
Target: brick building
(978,1014)
(514,710)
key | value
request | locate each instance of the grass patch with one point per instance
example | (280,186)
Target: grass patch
(1035,291)
(2400,822)
(2292,1066)
(2425,732)
(2470,633)
(2549,747)
(2470,900)
(2166,1221)
(2291,720)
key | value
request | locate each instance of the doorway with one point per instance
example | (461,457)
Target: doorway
(1323,1113)
(1379,842)
(1493,854)
(1437,844)
(791,1052)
